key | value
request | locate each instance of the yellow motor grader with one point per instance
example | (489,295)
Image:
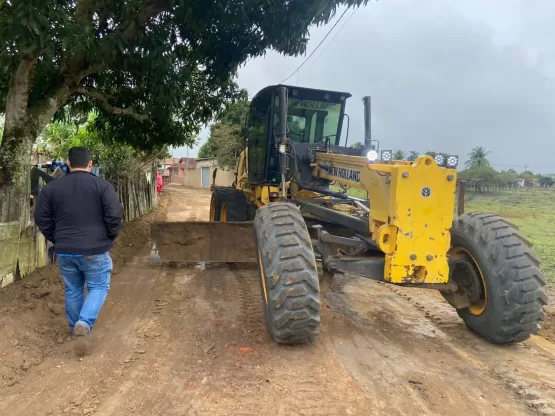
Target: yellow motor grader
(290,188)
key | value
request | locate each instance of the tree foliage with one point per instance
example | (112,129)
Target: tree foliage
(478,158)
(115,159)
(155,70)
(228,143)
(546,180)
(399,155)
(412,156)
(480,174)
(357,145)
(505,178)
(226,140)
(207,150)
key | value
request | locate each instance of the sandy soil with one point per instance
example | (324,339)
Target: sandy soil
(191,341)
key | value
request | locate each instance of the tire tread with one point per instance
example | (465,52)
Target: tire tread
(236,201)
(289,264)
(516,275)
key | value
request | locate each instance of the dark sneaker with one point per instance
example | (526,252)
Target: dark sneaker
(81,341)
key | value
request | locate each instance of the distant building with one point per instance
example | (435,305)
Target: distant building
(528,183)
(173,170)
(202,176)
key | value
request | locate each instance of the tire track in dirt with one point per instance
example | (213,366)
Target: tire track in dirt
(414,367)
(245,366)
(522,367)
(251,301)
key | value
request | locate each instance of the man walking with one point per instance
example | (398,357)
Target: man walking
(81,215)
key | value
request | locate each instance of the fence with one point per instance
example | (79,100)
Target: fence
(23,248)
(137,195)
(484,187)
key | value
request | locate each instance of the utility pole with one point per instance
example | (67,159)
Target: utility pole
(525,168)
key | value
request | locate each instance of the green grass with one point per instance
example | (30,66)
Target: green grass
(355,193)
(533,212)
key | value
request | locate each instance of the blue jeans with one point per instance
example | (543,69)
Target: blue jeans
(95,271)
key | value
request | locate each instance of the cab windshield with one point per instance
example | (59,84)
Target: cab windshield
(311,121)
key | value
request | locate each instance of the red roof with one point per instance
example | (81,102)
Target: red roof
(181,162)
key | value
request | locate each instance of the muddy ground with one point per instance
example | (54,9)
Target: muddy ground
(191,341)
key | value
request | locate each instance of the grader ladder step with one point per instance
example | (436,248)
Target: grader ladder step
(212,242)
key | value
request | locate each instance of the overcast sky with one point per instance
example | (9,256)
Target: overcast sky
(444,75)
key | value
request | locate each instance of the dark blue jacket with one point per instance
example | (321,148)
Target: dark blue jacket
(79,213)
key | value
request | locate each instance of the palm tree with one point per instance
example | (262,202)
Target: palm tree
(412,156)
(477,158)
(399,155)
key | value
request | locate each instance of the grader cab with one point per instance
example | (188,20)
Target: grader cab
(288,209)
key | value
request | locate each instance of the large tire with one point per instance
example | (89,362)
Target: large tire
(288,274)
(232,201)
(511,307)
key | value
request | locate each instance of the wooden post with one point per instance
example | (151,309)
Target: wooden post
(461,195)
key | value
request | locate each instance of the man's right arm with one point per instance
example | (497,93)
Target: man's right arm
(112,211)
(44,216)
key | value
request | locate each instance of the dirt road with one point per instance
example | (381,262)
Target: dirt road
(192,342)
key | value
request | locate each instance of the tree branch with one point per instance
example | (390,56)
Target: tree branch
(84,10)
(103,102)
(129,29)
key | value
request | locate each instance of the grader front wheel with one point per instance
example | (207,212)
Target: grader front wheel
(505,285)
(288,274)
(228,205)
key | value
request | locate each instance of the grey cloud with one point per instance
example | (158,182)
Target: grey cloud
(442,76)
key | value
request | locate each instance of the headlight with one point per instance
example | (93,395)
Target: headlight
(452,161)
(387,155)
(372,155)
(440,159)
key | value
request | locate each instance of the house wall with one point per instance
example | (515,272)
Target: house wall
(193,177)
(174,175)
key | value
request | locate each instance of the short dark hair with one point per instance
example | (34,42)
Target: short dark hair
(79,157)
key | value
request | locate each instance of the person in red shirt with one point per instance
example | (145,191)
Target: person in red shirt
(159,183)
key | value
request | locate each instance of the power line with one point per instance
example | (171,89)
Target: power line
(320,44)
(332,39)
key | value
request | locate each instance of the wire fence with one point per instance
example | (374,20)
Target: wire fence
(484,187)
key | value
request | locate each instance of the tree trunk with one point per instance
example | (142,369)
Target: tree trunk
(15,155)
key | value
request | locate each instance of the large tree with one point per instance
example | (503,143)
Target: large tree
(154,69)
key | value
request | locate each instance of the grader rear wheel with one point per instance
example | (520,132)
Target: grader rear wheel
(505,286)
(288,274)
(228,205)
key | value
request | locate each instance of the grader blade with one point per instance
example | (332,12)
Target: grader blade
(211,242)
